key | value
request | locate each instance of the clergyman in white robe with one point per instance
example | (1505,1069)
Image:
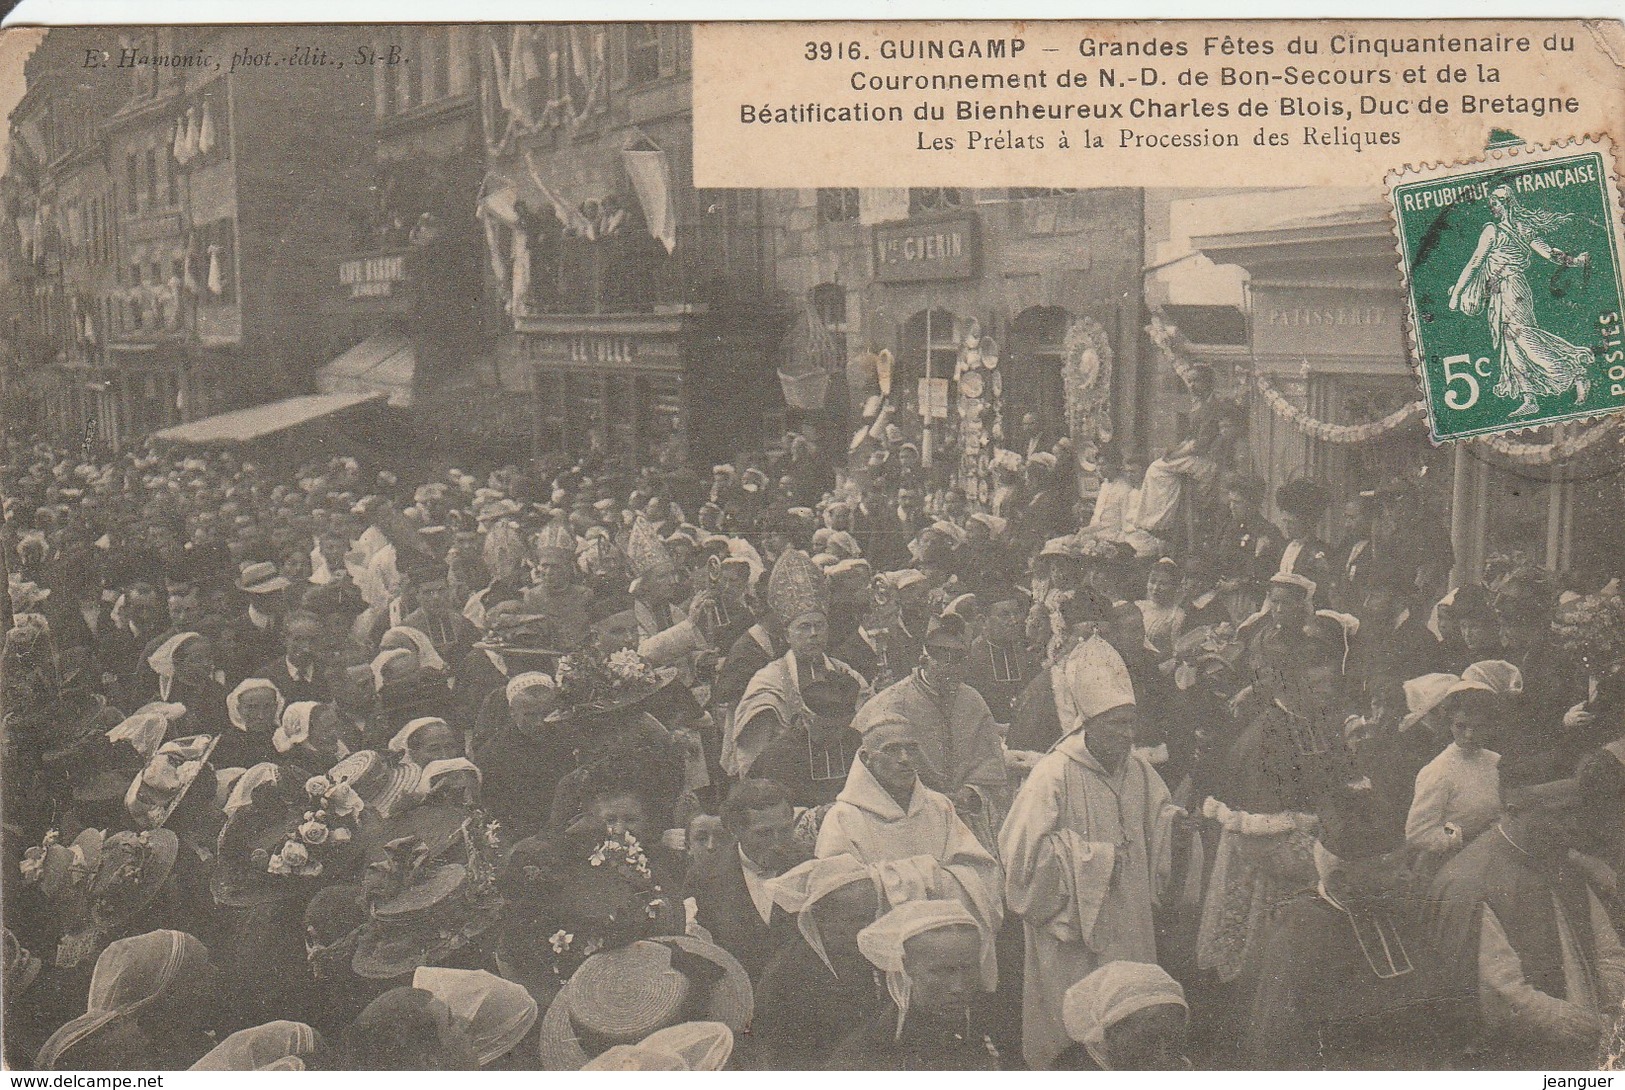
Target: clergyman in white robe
(1087,853)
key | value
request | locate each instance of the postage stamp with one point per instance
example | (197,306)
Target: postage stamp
(1512,272)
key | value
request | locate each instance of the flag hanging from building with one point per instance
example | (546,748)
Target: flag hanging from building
(650,171)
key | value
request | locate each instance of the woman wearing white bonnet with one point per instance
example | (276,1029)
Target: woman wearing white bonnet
(1125,1016)
(814,991)
(495,1013)
(255,709)
(688,1046)
(931,953)
(405,637)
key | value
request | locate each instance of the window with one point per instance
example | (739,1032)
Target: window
(837,206)
(383,89)
(457,60)
(428,51)
(171,191)
(642,53)
(152,176)
(405,85)
(829,303)
(414,85)
(1032,379)
(132,183)
(932,200)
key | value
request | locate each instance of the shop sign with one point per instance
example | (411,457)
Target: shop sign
(1317,322)
(369,277)
(937,250)
(592,351)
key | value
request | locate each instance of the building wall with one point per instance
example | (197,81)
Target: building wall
(1079,251)
(299,143)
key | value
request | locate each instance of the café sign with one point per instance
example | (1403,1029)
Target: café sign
(937,250)
(368,277)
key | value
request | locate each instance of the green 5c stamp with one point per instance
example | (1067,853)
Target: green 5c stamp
(1512,270)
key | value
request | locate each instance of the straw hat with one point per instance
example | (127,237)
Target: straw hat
(621,996)
(133,868)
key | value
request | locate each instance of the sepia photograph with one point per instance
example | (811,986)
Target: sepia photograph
(479,599)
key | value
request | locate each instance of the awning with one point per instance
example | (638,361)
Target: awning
(383,363)
(246,425)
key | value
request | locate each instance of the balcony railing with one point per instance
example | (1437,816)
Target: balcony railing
(714,265)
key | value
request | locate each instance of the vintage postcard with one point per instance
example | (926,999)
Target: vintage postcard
(786,546)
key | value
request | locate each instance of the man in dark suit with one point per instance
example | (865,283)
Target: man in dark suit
(297,671)
(732,899)
(880,533)
(257,631)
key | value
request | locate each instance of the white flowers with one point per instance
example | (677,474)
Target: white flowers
(314,832)
(318,786)
(627,665)
(623,852)
(561,940)
(294,860)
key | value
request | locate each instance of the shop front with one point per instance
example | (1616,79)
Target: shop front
(983,318)
(1334,398)
(638,387)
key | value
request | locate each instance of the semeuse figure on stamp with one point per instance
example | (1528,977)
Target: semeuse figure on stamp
(1533,361)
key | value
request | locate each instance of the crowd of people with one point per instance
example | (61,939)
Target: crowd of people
(815,763)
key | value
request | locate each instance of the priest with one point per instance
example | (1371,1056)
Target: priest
(960,747)
(798,595)
(1087,849)
(1347,979)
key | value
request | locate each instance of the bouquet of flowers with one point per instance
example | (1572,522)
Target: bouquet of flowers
(590,682)
(579,910)
(1205,653)
(1593,627)
(329,823)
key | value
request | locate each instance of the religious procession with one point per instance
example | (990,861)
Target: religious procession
(576,621)
(357,770)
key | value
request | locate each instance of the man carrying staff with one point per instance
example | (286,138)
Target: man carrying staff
(798,593)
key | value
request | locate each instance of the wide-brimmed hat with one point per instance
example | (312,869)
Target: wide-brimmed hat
(429,920)
(260,827)
(61,870)
(158,790)
(592,687)
(380,781)
(261,577)
(132,870)
(621,996)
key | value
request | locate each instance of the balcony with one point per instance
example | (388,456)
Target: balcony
(716,265)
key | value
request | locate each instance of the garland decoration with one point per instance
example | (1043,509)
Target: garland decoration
(1333,433)
(1559,449)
